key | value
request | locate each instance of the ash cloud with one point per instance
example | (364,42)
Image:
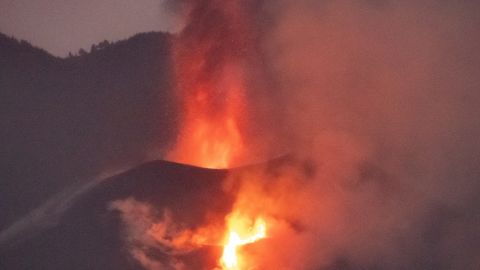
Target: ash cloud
(382,98)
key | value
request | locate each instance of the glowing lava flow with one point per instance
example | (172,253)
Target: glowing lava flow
(240,234)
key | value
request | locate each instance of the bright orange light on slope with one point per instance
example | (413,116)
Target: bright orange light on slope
(240,232)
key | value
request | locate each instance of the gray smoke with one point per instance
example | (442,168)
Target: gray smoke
(382,97)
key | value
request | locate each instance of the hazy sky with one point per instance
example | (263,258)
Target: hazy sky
(60,26)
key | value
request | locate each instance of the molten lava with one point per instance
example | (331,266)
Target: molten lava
(210,67)
(210,135)
(212,55)
(240,232)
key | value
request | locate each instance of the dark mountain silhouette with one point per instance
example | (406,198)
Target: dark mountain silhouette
(89,235)
(63,120)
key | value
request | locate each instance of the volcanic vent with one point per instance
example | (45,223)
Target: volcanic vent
(213,56)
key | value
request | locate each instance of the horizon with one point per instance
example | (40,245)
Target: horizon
(87,49)
(60,27)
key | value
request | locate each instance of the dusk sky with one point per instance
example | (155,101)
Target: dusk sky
(62,26)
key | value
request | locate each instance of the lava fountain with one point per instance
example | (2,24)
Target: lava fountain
(210,63)
(211,59)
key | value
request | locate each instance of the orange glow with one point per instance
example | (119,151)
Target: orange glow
(241,232)
(211,137)
(211,68)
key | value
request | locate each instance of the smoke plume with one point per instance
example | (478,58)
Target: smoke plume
(377,101)
(381,99)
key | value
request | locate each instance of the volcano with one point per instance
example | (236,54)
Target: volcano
(91,233)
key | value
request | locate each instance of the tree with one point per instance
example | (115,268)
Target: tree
(82,52)
(102,45)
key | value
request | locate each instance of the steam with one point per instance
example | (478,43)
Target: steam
(155,239)
(140,219)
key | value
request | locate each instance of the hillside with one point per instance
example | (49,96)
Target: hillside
(65,119)
(89,235)
(92,233)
